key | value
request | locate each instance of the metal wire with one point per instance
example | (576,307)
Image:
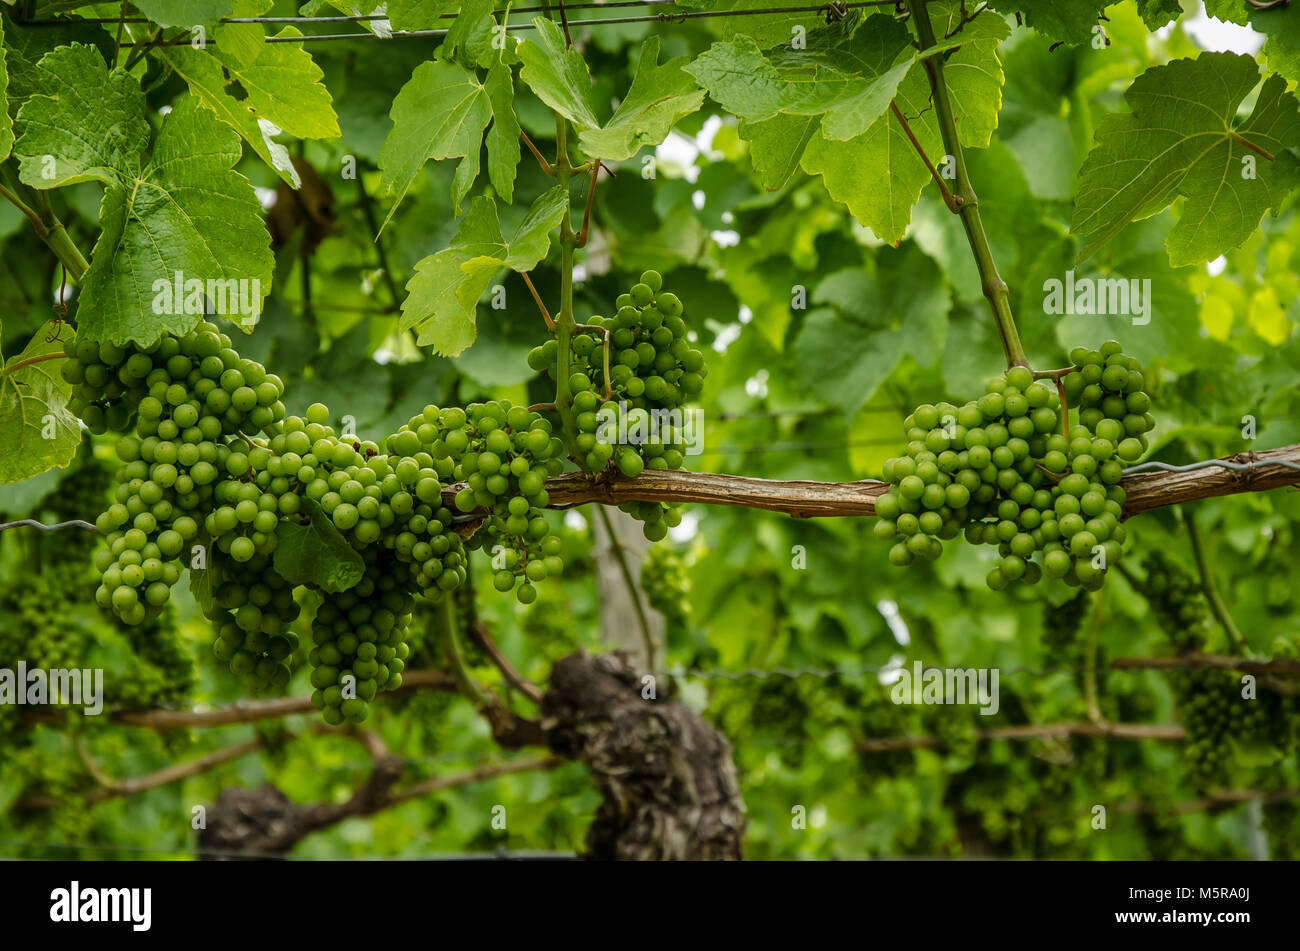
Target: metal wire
(375,17)
(1211,464)
(42,527)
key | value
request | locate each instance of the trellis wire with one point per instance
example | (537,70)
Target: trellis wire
(376,17)
(834,10)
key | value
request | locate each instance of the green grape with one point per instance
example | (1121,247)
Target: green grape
(998,470)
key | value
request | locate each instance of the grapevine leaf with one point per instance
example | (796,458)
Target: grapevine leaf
(851,78)
(317,554)
(36,430)
(6,123)
(503,136)
(439,114)
(878,174)
(558,74)
(1282,50)
(186,212)
(1158,13)
(1229,11)
(279,90)
(1179,140)
(187,13)
(106,110)
(660,95)
(442,295)
(1069,21)
(24,48)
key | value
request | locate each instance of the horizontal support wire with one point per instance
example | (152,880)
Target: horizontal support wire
(831,11)
(379,18)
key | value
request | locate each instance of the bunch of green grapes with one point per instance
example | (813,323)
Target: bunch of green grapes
(999,470)
(665,581)
(360,639)
(630,374)
(189,396)
(1213,712)
(504,455)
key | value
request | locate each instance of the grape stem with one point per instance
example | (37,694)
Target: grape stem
(604,332)
(31,360)
(546,314)
(1054,374)
(953,202)
(1065,408)
(596,165)
(994,287)
(541,159)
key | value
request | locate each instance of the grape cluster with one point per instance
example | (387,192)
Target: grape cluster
(1001,470)
(360,639)
(630,374)
(504,455)
(190,394)
(1213,713)
(665,581)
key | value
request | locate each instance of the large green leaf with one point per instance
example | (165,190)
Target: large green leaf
(186,212)
(850,77)
(316,553)
(878,174)
(557,73)
(279,90)
(36,430)
(660,95)
(443,294)
(777,144)
(1180,141)
(87,124)
(439,114)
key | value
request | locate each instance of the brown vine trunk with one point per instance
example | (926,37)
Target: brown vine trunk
(669,786)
